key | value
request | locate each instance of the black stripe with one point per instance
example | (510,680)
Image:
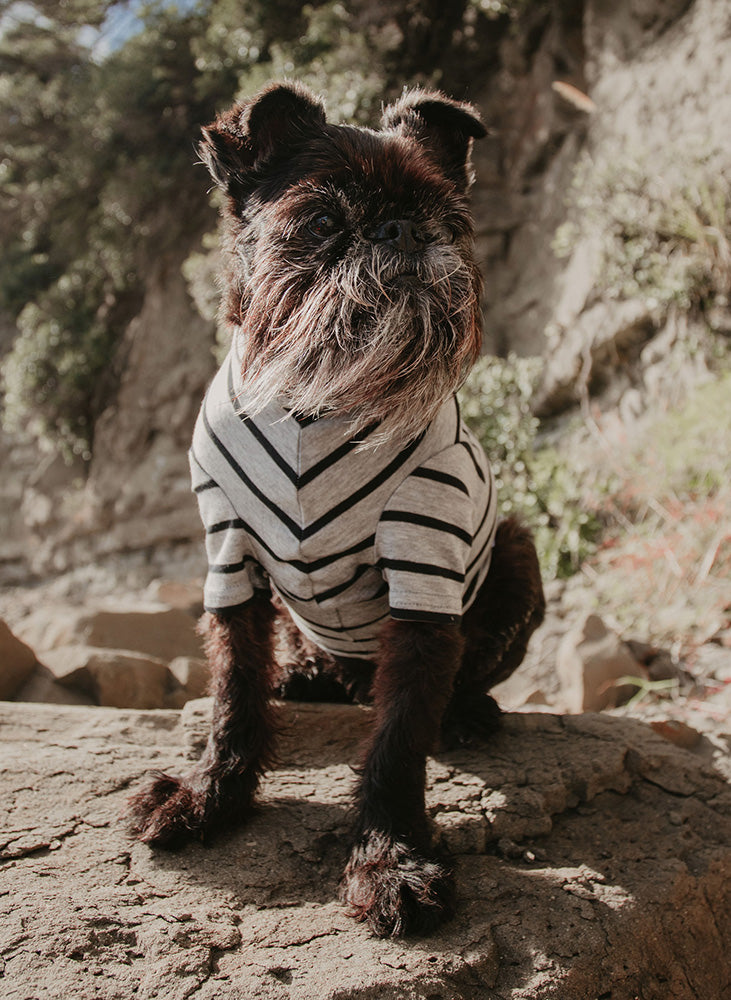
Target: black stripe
(407,517)
(331,592)
(297,480)
(234,522)
(423,569)
(300,564)
(339,588)
(269,448)
(329,460)
(334,638)
(477,535)
(441,477)
(259,435)
(231,567)
(287,521)
(209,485)
(317,627)
(229,609)
(468,447)
(486,513)
(470,589)
(365,490)
(206,483)
(480,554)
(301,480)
(436,617)
(457,436)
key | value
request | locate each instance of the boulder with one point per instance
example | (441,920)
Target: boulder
(192,676)
(182,594)
(150,628)
(590,660)
(593,858)
(42,685)
(17,662)
(114,677)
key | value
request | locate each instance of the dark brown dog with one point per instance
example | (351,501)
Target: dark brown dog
(353,300)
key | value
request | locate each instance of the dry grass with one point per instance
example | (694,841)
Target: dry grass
(663,567)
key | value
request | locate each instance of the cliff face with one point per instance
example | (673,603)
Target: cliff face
(651,94)
(135,495)
(658,82)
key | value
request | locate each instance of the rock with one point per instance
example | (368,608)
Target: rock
(153,629)
(594,857)
(17,662)
(195,721)
(42,685)
(585,351)
(590,659)
(113,677)
(192,675)
(677,732)
(177,594)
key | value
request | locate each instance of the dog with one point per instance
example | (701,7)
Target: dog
(350,515)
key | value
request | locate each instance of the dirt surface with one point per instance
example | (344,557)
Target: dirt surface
(593,860)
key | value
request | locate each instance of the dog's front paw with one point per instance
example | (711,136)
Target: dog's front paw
(167,812)
(397,890)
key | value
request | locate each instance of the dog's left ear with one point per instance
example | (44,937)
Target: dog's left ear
(242,144)
(444,127)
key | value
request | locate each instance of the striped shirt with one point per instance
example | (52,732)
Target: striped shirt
(345,535)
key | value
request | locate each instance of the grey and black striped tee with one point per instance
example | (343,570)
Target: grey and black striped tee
(345,535)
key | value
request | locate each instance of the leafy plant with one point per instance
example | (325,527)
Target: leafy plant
(95,152)
(664,230)
(534,481)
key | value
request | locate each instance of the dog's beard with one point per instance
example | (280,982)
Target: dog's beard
(372,340)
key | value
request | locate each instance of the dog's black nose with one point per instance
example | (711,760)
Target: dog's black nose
(401,234)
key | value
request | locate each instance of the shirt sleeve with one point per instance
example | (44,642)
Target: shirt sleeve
(424,538)
(233,573)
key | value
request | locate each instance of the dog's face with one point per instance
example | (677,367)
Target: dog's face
(349,255)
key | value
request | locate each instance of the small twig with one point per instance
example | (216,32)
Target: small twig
(645,687)
(710,557)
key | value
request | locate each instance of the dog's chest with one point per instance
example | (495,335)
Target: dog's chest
(325,490)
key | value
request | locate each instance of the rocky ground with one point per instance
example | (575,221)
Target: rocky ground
(593,850)
(593,860)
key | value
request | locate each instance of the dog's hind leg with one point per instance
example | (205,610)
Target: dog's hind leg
(393,878)
(307,673)
(217,793)
(508,608)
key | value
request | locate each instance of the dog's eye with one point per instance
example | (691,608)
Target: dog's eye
(323,225)
(443,234)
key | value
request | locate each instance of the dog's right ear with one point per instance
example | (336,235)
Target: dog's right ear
(242,142)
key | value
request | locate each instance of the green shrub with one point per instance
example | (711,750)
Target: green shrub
(534,482)
(62,359)
(664,229)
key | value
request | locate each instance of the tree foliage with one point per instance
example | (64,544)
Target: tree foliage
(92,150)
(96,170)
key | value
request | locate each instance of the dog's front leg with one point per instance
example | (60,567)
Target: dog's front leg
(217,793)
(393,879)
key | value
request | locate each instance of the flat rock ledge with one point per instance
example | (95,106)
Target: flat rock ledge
(593,862)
